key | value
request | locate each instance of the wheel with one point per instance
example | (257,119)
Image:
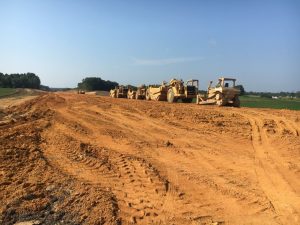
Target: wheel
(236,102)
(170,96)
(148,95)
(187,100)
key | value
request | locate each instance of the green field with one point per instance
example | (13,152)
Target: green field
(258,102)
(6,91)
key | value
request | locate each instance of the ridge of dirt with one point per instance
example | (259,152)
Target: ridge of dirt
(31,189)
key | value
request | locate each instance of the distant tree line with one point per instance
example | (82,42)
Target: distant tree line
(20,80)
(241,88)
(96,83)
(132,87)
(45,88)
(268,94)
(278,94)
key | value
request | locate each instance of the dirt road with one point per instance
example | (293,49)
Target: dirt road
(79,159)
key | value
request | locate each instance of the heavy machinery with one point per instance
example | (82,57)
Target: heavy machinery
(178,90)
(119,92)
(141,92)
(157,92)
(79,91)
(131,93)
(113,93)
(224,93)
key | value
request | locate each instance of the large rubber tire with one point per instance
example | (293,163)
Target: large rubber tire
(170,96)
(236,102)
(187,100)
(148,98)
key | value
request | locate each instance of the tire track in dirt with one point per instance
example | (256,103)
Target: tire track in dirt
(135,183)
(189,207)
(273,129)
(225,186)
(209,178)
(166,163)
(173,197)
(280,193)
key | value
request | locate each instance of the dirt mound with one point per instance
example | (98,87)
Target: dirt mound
(31,188)
(19,96)
(85,159)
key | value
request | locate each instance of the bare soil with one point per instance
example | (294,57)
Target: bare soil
(85,159)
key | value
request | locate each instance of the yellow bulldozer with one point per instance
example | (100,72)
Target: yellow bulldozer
(178,90)
(224,93)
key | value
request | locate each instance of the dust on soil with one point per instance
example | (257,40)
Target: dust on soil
(84,159)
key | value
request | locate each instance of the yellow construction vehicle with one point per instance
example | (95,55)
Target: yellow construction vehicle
(224,93)
(178,90)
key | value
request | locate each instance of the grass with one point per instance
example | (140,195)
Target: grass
(258,102)
(6,91)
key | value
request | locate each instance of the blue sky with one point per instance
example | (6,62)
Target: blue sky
(134,42)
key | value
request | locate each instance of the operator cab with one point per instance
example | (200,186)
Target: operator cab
(192,87)
(227,82)
(193,83)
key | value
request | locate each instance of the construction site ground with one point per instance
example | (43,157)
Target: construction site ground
(85,159)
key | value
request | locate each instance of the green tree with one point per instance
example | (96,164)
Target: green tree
(96,83)
(241,88)
(25,80)
(266,95)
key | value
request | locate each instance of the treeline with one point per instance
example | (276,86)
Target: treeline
(20,80)
(268,94)
(96,83)
(277,94)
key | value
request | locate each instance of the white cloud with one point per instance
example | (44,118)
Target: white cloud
(165,61)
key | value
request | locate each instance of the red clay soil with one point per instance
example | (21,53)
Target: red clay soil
(84,159)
